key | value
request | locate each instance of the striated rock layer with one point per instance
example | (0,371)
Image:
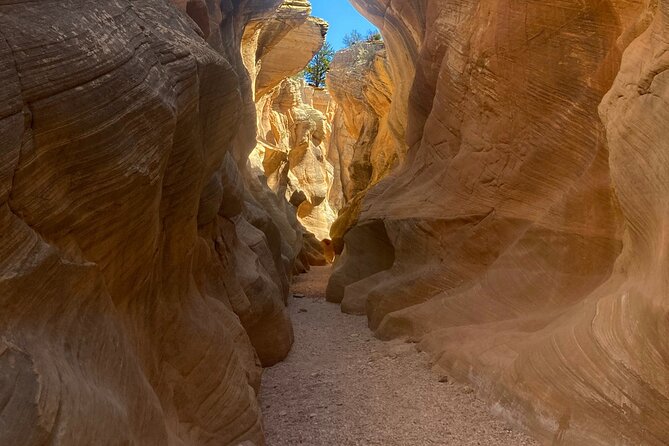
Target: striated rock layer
(523,240)
(291,153)
(293,133)
(143,268)
(365,145)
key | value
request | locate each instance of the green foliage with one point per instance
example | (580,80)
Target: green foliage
(352,38)
(355,37)
(374,36)
(319,66)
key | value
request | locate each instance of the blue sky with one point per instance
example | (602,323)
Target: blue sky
(342,17)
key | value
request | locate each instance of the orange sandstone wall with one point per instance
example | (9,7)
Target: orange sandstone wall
(142,271)
(366,142)
(522,240)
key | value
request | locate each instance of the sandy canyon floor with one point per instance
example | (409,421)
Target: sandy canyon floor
(341,386)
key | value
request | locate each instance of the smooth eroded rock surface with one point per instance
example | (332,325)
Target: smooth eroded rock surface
(292,154)
(143,270)
(293,122)
(366,144)
(528,219)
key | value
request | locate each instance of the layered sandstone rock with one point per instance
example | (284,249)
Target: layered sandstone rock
(526,237)
(292,151)
(142,269)
(287,43)
(293,134)
(366,144)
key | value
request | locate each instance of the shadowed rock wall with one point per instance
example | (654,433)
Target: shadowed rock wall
(143,271)
(527,234)
(522,240)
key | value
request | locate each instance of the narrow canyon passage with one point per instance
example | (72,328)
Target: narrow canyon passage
(490,179)
(341,386)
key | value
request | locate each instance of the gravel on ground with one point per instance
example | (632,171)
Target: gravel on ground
(340,386)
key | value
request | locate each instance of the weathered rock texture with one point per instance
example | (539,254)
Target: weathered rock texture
(142,268)
(292,154)
(292,134)
(289,132)
(282,45)
(523,241)
(366,144)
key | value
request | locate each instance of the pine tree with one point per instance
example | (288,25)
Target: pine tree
(319,66)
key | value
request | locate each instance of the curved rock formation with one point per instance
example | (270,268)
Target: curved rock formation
(292,151)
(286,44)
(293,135)
(527,237)
(145,265)
(143,272)
(365,144)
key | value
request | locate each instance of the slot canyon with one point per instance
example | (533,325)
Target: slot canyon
(463,239)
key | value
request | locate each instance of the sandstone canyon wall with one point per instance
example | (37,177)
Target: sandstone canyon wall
(522,241)
(292,153)
(521,236)
(366,144)
(293,122)
(143,268)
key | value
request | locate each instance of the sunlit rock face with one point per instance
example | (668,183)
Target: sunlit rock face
(284,44)
(292,154)
(142,268)
(293,120)
(523,241)
(365,145)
